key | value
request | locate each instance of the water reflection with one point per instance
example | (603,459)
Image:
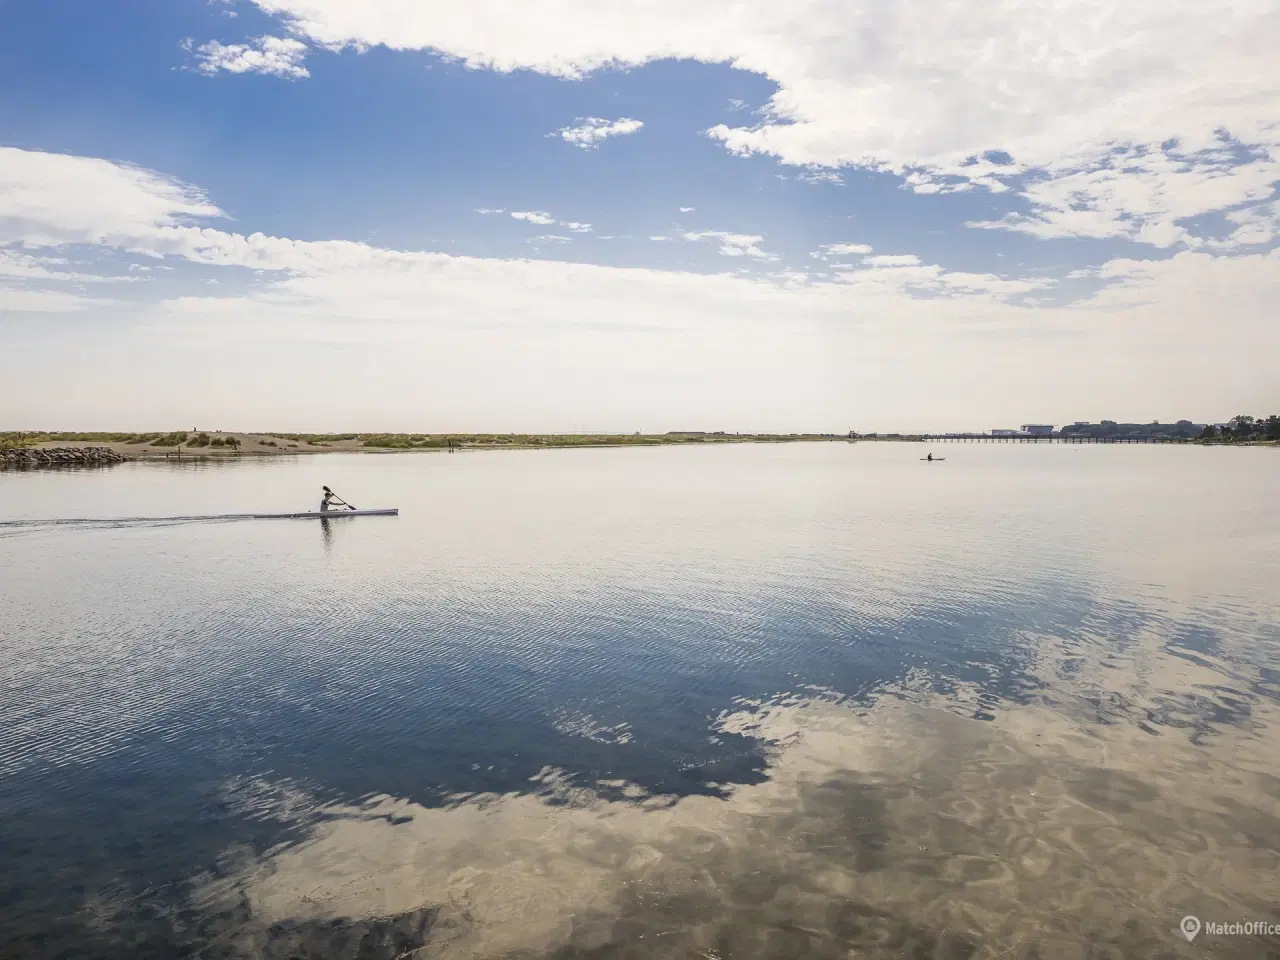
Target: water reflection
(895,828)
(732,703)
(1086,820)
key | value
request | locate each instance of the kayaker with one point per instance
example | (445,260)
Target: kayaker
(330,498)
(929,457)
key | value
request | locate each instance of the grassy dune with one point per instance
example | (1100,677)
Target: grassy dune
(217,442)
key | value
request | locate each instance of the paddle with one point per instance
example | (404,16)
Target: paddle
(339,499)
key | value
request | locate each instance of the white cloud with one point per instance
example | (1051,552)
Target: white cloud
(25,283)
(842,249)
(1254,226)
(746,350)
(489,210)
(543,219)
(15,265)
(907,276)
(549,238)
(49,198)
(893,260)
(733,244)
(271,56)
(20,266)
(821,176)
(530,338)
(1141,194)
(1052,89)
(593,130)
(686,209)
(17,299)
(21,300)
(540,217)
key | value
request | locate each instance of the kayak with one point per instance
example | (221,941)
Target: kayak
(329,514)
(934,460)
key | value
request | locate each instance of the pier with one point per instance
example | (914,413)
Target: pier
(1022,438)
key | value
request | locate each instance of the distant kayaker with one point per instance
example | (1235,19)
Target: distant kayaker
(331,499)
(929,457)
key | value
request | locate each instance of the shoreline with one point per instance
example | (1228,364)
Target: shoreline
(220,445)
(230,445)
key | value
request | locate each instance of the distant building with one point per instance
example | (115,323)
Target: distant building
(1038,429)
(1081,423)
(1004,433)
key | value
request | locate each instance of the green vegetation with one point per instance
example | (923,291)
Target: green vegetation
(419,441)
(1243,429)
(402,441)
(316,439)
(1110,430)
(21,439)
(29,438)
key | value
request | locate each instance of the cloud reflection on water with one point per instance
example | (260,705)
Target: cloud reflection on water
(1086,822)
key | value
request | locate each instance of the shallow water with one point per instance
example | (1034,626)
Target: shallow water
(815,700)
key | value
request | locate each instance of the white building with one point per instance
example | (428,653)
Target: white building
(1038,429)
(1004,433)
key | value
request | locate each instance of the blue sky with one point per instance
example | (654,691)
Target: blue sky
(1040,213)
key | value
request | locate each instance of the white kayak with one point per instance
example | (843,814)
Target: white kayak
(329,514)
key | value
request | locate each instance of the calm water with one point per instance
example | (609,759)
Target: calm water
(732,702)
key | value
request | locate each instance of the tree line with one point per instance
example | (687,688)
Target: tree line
(1110,430)
(1242,428)
(1239,429)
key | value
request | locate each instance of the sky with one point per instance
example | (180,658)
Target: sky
(581,215)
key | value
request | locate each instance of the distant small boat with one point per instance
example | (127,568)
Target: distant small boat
(932,459)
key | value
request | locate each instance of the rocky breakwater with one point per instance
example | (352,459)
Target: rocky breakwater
(59,456)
